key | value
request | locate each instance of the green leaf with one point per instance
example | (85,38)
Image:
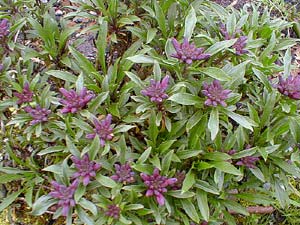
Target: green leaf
(205,186)
(263,78)
(9,199)
(179,194)
(166,162)
(242,120)
(190,210)
(86,204)
(83,216)
(135,79)
(185,99)
(141,59)
(287,59)
(64,75)
(122,128)
(219,46)
(236,207)
(226,167)
(106,181)
(203,204)
(215,73)
(185,154)
(188,182)
(213,123)
(41,205)
(190,23)
(160,17)
(151,34)
(144,156)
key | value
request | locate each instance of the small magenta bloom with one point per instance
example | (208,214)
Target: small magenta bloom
(38,114)
(86,169)
(73,101)
(65,195)
(215,94)
(290,87)
(240,44)
(187,52)
(180,176)
(226,34)
(248,161)
(4,28)
(25,96)
(124,174)
(156,90)
(103,129)
(113,211)
(157,185)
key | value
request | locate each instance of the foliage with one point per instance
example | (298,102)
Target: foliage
(176,120)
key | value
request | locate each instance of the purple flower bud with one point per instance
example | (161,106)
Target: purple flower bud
(124,174)
(240,44)
(103,129)
(86,169)
(248,161)
(156,90)
(215,94)
(180,176)
(65,195)
(73,101)
(113,211)
(4,28)
(25,96)
(224,32)
(38,114)
(1,67)
(157,185)
(188,52)
(290,87)
(231,152)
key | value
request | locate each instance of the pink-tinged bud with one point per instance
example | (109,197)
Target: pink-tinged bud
(240,44)
(248,161)
(156,90)
(38,114)
(124,174)
(157,185)
(4,28)
(86,169)
(25,96)
(188,53)
(73,101)
(290,87)
(215,94)
(65,195)
(113,211)
(103,129)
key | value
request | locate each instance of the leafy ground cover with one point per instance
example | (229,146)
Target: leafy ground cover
(149,112)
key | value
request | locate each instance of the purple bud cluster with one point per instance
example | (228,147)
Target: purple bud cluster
(103,129)
(38,114)
(248,161)
(73,101)
(113,211)
(124,174)
(86,169)
(215,94)
(156,90)
(180,176)
(65,195)
(290,86)
(157,185)
(4,28)
(187,52)
(25,96)
(240,43)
